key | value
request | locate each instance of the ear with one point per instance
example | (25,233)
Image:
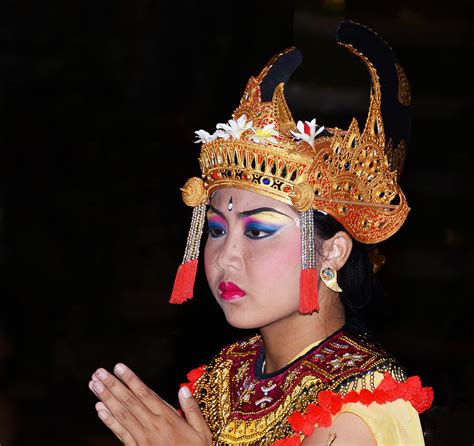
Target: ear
(336,250)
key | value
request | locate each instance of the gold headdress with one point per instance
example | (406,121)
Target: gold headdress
(350,174)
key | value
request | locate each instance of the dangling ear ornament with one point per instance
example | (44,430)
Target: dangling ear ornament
(194,195)
(329,276)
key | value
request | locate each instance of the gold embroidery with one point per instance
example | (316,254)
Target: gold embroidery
(242,371)
(230,425)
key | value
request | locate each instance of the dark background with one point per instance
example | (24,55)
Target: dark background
(99,103)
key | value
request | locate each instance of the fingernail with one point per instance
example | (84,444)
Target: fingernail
(120,368)
(100,406)
(186,392)
(101,373)
(102,414)
(98,387)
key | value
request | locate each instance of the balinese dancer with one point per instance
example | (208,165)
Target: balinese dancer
(292,209)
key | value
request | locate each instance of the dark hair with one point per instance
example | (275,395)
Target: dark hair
(356,278)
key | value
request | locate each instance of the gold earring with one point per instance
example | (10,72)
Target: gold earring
(329,277)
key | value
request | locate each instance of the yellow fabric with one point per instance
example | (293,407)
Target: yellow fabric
(396,423)
(306,350)
(392,424)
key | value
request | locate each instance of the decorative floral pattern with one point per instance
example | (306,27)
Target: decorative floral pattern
(204,137)
(307,131)
(234,127)
(265,134)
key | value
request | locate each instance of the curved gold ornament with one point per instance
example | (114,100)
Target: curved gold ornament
(302,197)
(329,277)
(351,174)
(194,192)
(404,95)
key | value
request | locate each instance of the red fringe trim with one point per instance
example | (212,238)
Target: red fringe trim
(193,376)
(330,404)
(184,282)
(309,291)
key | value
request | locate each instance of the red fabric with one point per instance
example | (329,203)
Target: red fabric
(184,282)
(309,291)
(380,396)
(351,397)
(411,390)
(196,373)
(330,403)
(319,415)
(302,424)
(366,397)
(193,376)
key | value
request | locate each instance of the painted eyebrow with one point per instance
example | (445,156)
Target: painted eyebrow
(249,212)
(216,211)
(259,210)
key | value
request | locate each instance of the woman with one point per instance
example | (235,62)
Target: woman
(290,209)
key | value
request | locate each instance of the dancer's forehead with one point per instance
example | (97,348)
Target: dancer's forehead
(244,203)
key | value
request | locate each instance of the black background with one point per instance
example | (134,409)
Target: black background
(99,103)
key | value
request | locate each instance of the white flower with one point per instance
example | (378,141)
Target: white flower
(204,137)
(221,134)
(307,131)
(265,134)
(235,128)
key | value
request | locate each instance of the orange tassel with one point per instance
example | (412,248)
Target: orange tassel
(309,291)
(184,282)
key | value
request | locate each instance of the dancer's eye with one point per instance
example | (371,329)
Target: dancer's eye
(256,230)
(215,230)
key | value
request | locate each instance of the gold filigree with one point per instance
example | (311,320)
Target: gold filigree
(404,95)
(351,174)
(194,192)
(302,197)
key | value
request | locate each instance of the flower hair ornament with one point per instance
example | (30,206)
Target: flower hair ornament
(351,174)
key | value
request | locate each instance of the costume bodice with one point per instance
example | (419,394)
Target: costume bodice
(244,406)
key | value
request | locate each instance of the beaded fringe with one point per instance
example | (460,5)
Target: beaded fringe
(186,274)
(309,274)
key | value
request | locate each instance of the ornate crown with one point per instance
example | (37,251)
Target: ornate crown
(350,174)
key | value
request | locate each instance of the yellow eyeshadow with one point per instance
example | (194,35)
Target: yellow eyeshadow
(272,217)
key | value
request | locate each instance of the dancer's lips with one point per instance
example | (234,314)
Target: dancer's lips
(230,291)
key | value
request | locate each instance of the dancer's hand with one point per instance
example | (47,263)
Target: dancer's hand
(139,417)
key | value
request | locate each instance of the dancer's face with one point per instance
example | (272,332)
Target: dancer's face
(253,257)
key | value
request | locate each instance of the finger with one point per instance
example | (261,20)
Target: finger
(91,387)
(193,413)
(149,398)
(125,395)
(120,432)
(119,410)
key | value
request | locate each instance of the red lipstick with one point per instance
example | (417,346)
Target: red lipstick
(230,291)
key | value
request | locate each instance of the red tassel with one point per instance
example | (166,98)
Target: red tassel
(309,291)
(184,282)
